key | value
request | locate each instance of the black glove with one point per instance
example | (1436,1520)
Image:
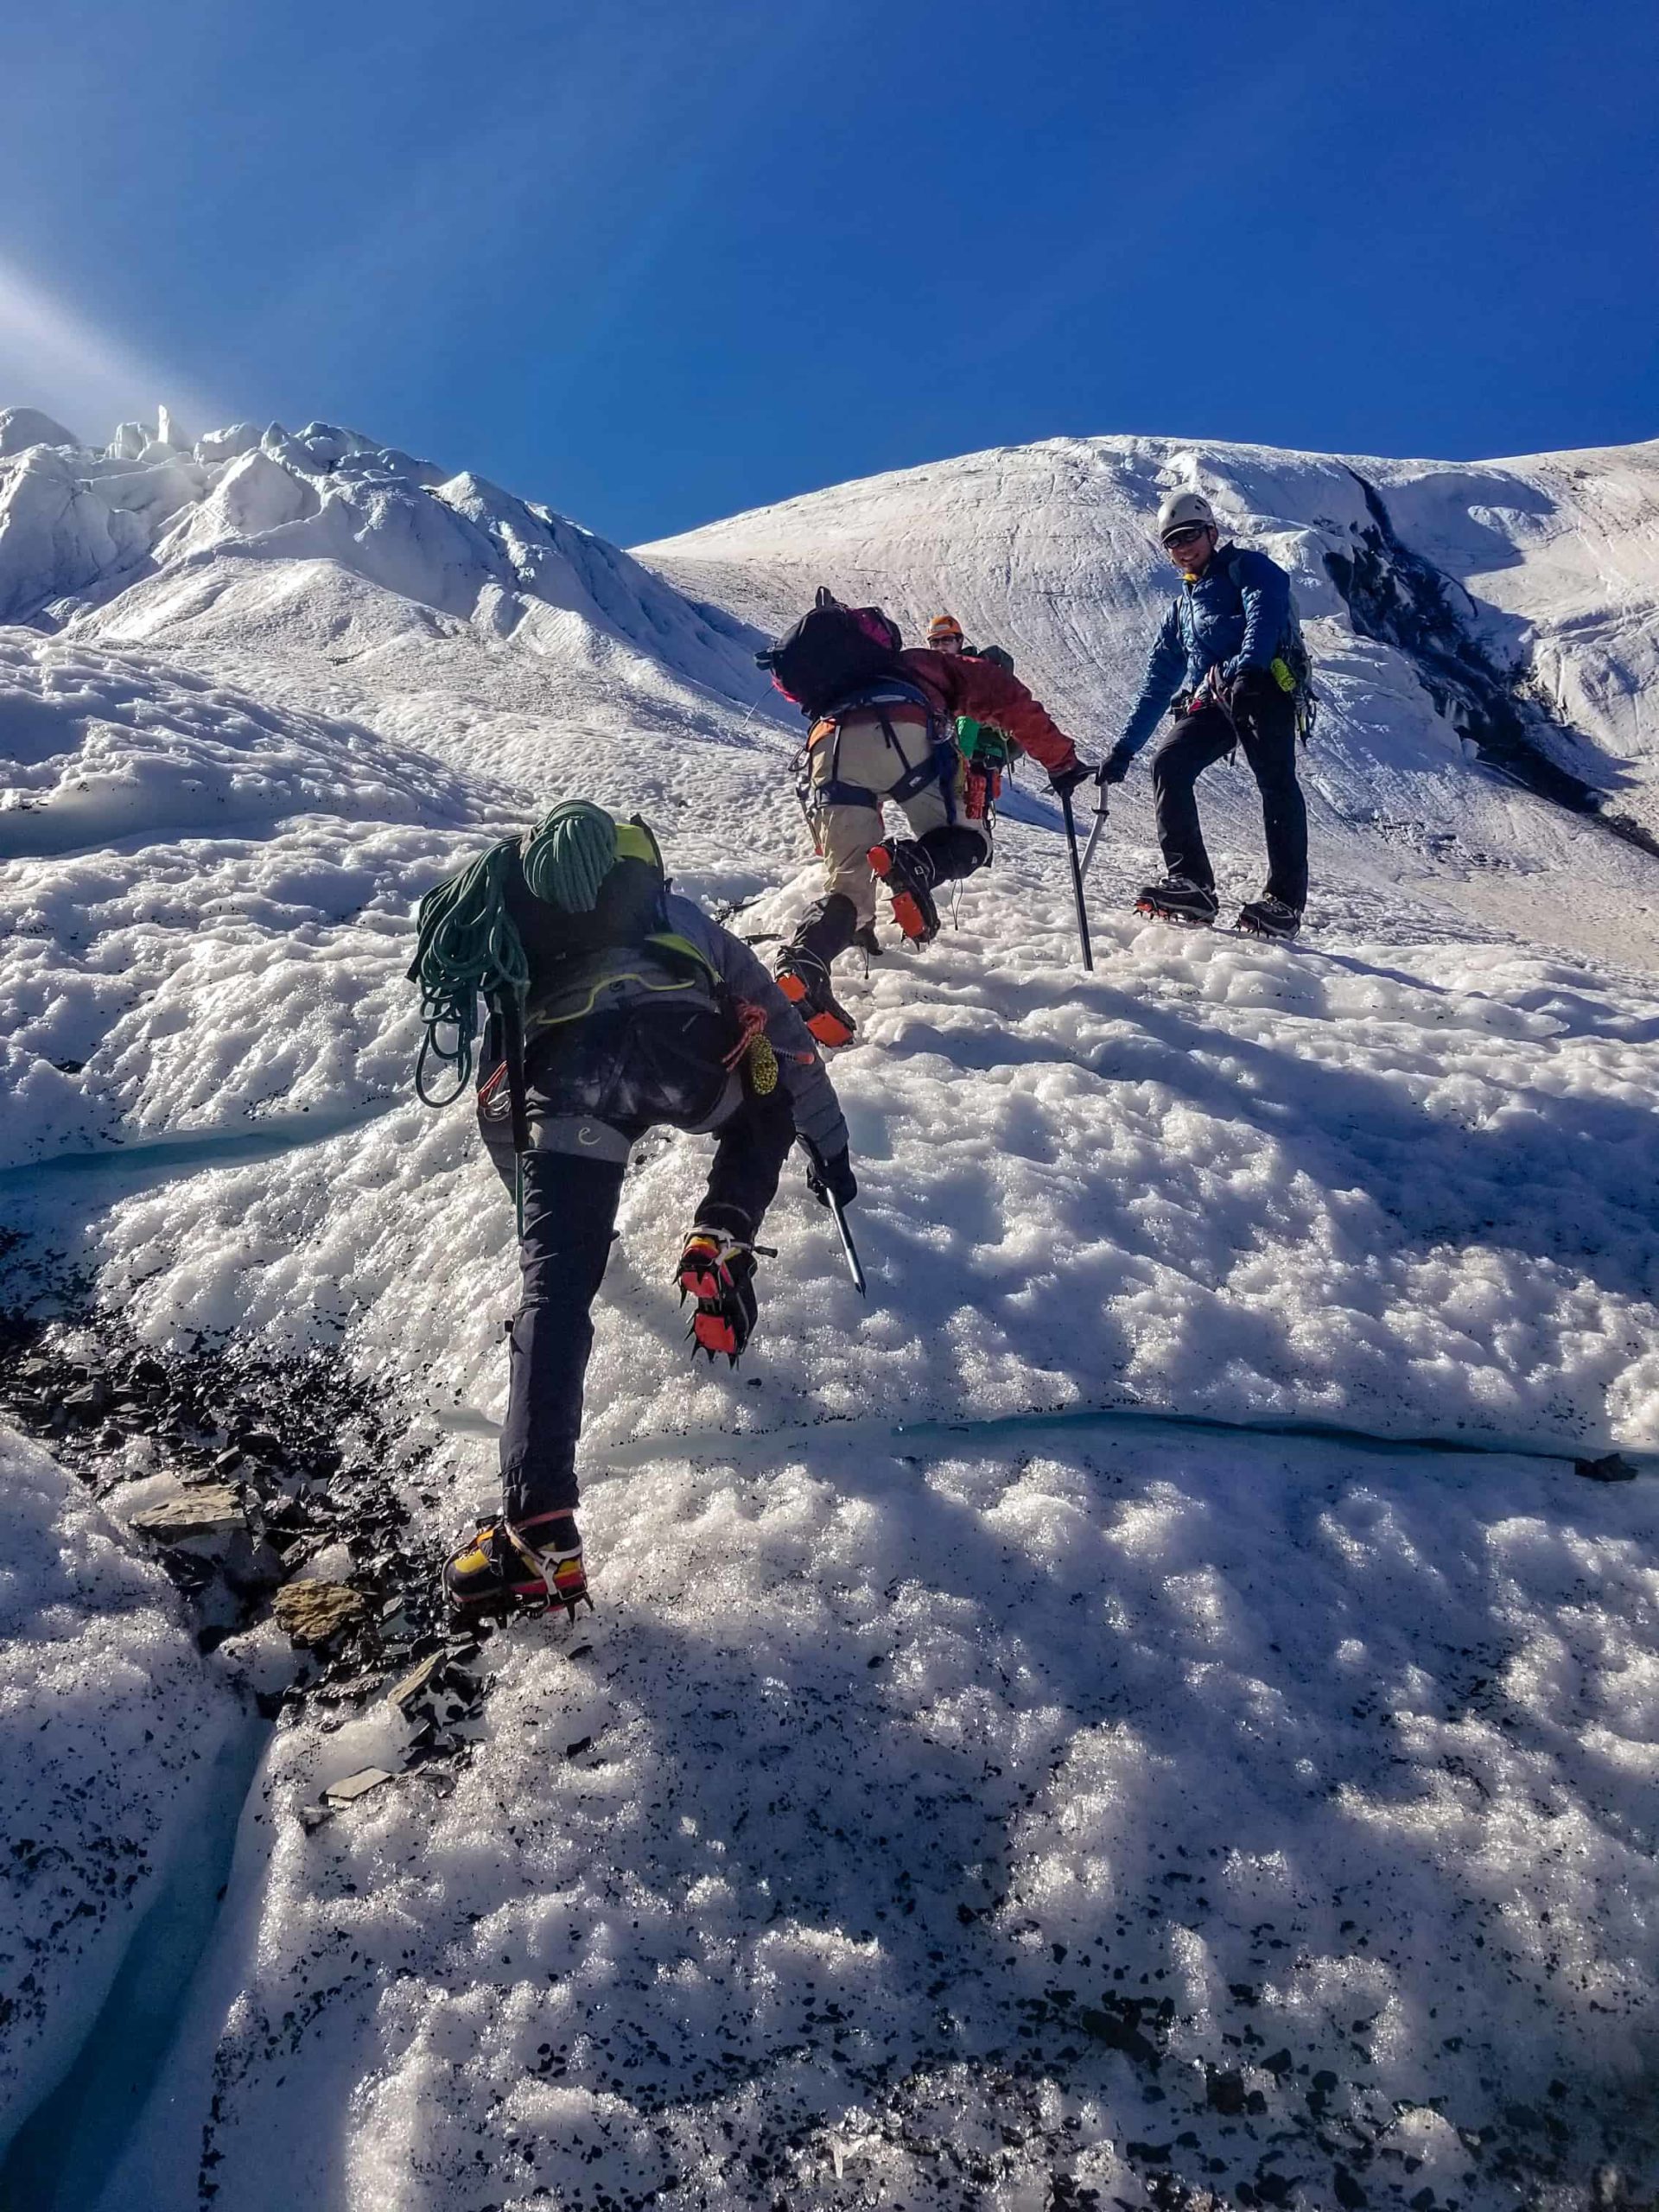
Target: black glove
(1116,765)
(1065,780)
(832,1178)
(1253,683)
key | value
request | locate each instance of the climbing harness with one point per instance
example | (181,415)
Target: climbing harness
(939,764)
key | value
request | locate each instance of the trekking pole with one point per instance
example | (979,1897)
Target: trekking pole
(847,1244)
(1093,835)
(1076,881)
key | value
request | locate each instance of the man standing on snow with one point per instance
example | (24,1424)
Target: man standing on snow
(1229,656)
(883,728)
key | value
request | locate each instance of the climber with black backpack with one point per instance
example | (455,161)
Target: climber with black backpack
(614,1007)
(883,727)
(1230,665)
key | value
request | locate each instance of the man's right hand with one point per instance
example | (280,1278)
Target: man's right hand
(1063,781)
(832,1178)
(1114,767)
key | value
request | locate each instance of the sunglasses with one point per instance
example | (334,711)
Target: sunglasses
(1178,539)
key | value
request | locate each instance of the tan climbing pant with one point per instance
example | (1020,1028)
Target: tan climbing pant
(870,757)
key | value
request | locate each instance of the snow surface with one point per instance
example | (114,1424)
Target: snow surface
(110,1722)
(767,1894)
(845,1866)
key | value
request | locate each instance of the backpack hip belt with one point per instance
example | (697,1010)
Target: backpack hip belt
(581,1136)
(618,975)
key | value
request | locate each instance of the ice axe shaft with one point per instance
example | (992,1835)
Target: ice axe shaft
(1094,838)
(1076,881)
(847,1245)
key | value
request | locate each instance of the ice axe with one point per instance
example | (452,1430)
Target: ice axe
(848,1247)
(1076,879)
(818,1182)
(1094,834)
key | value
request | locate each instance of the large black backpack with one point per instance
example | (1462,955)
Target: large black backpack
(832,651)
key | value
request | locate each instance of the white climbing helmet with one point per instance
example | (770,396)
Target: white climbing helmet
(1181,510)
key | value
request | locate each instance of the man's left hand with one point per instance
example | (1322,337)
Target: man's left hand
(830,1177)
(1253,683)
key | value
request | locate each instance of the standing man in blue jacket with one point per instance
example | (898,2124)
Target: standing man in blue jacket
(1227,658)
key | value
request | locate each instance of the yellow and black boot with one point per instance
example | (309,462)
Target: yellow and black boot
(501,1569)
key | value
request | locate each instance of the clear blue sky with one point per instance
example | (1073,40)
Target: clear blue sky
(656,261)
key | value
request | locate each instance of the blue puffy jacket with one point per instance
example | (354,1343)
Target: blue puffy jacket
(1234,617)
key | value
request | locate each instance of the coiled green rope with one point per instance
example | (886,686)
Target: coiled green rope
(466,943)
(569,854)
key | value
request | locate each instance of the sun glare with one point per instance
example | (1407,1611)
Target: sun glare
(54,358)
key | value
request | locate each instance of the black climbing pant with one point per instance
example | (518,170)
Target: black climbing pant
(1265,729)
(570,1201)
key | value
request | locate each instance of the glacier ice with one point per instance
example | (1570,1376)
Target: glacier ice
(952,1782)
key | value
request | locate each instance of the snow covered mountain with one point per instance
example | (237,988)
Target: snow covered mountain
(1144,1710)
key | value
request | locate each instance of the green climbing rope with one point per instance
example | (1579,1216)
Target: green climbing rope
(569,855)
(467,944)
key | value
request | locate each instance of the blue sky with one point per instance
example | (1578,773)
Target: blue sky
(656,263)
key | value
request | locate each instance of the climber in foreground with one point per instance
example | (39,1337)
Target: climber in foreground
(1230,657)
(883,728)
(616,1006)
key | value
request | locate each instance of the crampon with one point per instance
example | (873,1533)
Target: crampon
(500,1570)
(803,979)
(906,871)
(1178,899)
(718,1271)
(1270,917)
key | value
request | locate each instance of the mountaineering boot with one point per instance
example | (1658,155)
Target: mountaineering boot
(803,979)
(867,942)
(1267,917)
(1178,899)
(501,1569)
(718,1271)
(907,871)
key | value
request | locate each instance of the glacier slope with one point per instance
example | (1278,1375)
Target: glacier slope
(1394,1709)
(964,1827)
(1327,1185)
